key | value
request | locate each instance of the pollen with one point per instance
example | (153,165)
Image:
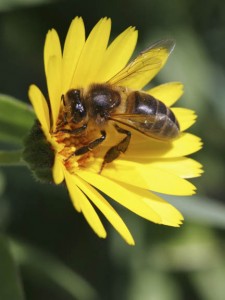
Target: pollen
(68,142)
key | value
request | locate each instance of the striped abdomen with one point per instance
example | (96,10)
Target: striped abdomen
(151,116)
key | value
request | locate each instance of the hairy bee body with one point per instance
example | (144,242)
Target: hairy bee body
(102,103)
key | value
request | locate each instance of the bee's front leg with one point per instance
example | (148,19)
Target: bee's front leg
(74,131)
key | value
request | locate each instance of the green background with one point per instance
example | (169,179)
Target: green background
(47,250)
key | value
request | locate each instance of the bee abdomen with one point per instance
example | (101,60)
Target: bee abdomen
(159,121)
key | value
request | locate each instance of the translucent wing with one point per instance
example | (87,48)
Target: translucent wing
(133,117)
(145,66)
(134,121)
(154,126)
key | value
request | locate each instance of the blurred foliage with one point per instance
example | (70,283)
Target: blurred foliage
(13,4)
(15,119)
(166,263)
(10,280)
(49,268)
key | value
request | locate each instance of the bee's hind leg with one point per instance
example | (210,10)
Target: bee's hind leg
(115,151)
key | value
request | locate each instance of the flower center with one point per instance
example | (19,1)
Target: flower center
(72,144)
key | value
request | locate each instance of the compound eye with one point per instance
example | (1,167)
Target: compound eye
(73,94)
(76,106)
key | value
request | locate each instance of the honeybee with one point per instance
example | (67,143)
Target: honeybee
(114,101)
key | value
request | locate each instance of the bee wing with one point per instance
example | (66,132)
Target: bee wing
(142,118)
(145,66)
(134,121)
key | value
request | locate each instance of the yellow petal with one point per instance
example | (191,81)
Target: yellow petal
(92,217)
(81,203)
(186,117)
(92,54)
(53,71)
(168,214)
(168,93)
(161,213)
(166,182)
(73,46)
(51,48)
(146,176)
(122,195)
(117,54)
(124,172)
(142,147)
(183,166)
(186,144)
(41,109)
(75,194)
(106,209)
(58,174)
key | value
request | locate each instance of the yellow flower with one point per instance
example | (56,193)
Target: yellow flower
(149,165)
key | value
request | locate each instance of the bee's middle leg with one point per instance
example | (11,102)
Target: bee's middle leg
(91,145)
(116,150)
